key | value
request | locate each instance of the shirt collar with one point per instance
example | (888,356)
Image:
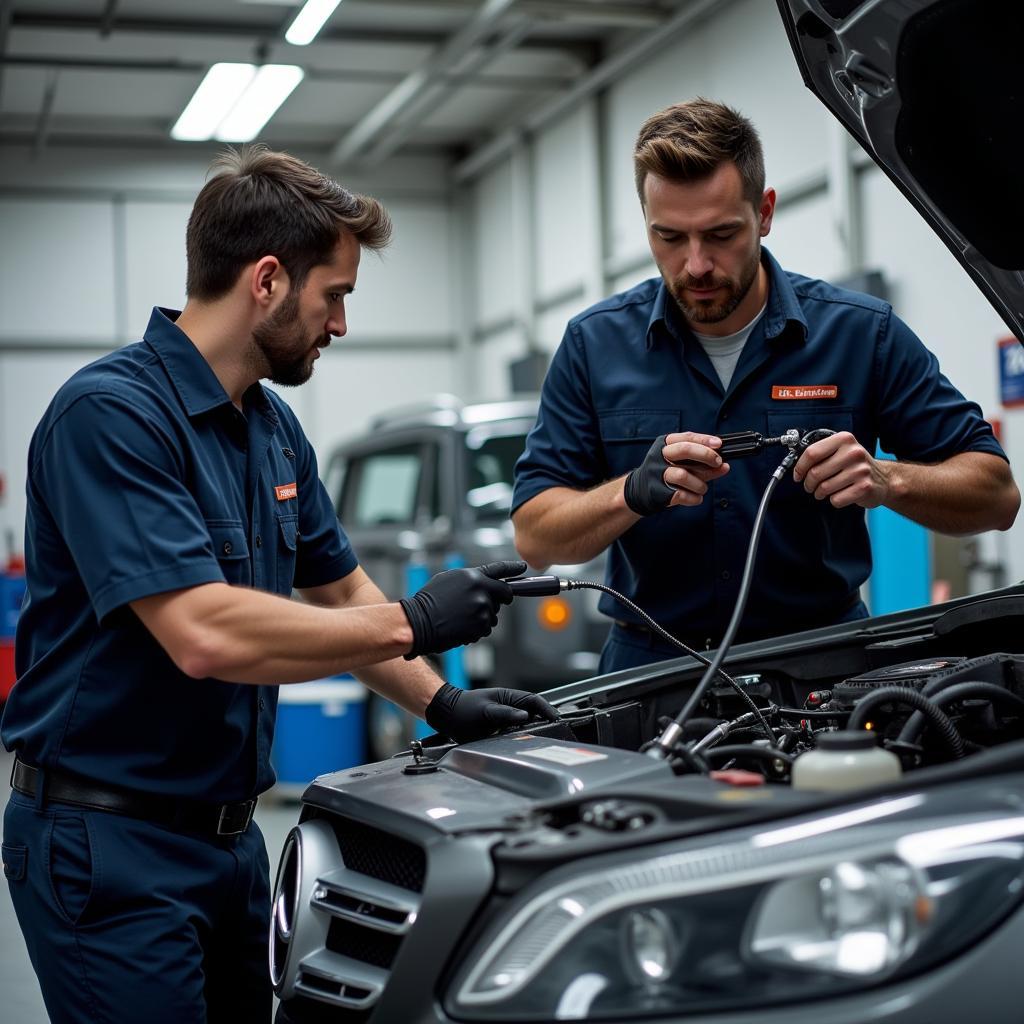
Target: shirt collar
(193,377)
(783,309)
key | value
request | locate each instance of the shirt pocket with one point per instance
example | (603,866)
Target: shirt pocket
(232,550)
(627,435)
(287,548)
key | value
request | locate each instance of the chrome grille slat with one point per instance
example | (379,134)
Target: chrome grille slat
(359,985)
(366,901)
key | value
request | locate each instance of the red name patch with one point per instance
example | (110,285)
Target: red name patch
(796,391)
(286,491)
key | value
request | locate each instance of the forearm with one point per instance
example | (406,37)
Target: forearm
(411,684)
(561,525)
(247,636)
(969,493)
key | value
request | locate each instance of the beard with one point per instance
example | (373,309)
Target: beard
(283,347)
(714,311)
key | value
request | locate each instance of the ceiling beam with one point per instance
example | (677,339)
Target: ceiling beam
(431,98)
(482,79)
(382,114)
(593,81)
(45,113)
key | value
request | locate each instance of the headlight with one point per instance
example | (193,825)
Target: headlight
(765,916)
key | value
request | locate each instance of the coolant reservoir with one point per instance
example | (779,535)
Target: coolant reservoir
(843,761)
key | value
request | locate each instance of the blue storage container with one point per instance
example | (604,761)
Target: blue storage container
(320,729)
(12,593)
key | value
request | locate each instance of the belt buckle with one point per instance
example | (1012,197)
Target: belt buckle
(226,819)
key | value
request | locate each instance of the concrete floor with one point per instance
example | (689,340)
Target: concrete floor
(18,988)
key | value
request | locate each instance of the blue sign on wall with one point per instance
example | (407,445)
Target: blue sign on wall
(1011,372)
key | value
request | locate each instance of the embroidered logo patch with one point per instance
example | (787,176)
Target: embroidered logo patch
(796,391)
(286,491)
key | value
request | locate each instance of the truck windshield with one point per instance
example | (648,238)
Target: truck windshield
(490,464)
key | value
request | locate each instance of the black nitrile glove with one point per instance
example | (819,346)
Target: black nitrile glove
(466,715)
(646,491)
(458,606)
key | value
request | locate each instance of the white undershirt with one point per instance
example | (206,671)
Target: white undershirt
(724,353)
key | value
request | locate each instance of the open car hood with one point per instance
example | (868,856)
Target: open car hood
(934,92)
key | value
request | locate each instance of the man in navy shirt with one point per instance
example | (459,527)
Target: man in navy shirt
(173,505)
(624,452)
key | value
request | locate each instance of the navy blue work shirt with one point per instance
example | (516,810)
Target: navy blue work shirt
(143,478)
(629,369)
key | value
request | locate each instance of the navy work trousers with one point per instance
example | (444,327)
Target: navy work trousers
(127,921)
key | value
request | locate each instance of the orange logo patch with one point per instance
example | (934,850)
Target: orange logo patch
(795,391)
(286,491)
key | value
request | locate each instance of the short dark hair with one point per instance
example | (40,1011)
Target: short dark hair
(690,141)
(258,202)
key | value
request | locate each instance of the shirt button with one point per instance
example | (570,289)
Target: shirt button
(723,502)
(724,416)
(227,549)
(259,541)
(261,704)
(725,574)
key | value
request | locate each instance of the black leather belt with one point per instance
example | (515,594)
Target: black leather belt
(211,819)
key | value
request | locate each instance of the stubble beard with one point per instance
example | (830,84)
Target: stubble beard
(714,311)
(282,348)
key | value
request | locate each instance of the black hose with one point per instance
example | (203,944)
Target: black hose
(666,635)
(915,723)
(905,695)
(666,740)
(983,691)
(731,751)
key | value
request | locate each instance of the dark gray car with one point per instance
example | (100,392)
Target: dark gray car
(562,873)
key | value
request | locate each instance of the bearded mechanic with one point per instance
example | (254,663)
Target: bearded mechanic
(624,452)
(173,504)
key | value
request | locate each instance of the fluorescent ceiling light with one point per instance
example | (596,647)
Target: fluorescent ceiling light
(272,85)
(218,92)
(309,21)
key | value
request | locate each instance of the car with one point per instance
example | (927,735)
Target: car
(598,869)
(427,487)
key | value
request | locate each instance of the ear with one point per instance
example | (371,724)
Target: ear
(766,211)
(267,280)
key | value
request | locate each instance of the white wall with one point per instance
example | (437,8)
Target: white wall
(93,240)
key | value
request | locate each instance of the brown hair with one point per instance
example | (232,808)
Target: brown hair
(689,141)
(259,203)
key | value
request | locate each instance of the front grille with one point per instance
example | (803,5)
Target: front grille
(365,944)
(347,894)
(376,853)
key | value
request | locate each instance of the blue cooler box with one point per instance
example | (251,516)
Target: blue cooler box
(320,729)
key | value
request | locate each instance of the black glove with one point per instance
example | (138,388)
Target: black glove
(646,491)
(466,715)
(458,606)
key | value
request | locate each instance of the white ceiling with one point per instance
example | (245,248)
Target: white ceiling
(383,77)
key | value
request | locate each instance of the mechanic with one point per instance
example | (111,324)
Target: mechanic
(173,504)
(644,384)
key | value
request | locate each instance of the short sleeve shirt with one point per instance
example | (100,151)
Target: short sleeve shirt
(628,370)
(143,478)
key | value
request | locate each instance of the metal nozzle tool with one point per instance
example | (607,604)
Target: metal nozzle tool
(538,586)
(742,443)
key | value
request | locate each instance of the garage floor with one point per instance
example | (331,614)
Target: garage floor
(21,999)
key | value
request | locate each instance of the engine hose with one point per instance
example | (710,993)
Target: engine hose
(984,691)
(915,723)
(734,750)
(905,695)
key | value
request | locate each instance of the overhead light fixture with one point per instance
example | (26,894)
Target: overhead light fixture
(234,101)
(309,21)
(218,92)
(271,86)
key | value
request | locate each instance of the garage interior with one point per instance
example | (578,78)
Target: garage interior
(498,133)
